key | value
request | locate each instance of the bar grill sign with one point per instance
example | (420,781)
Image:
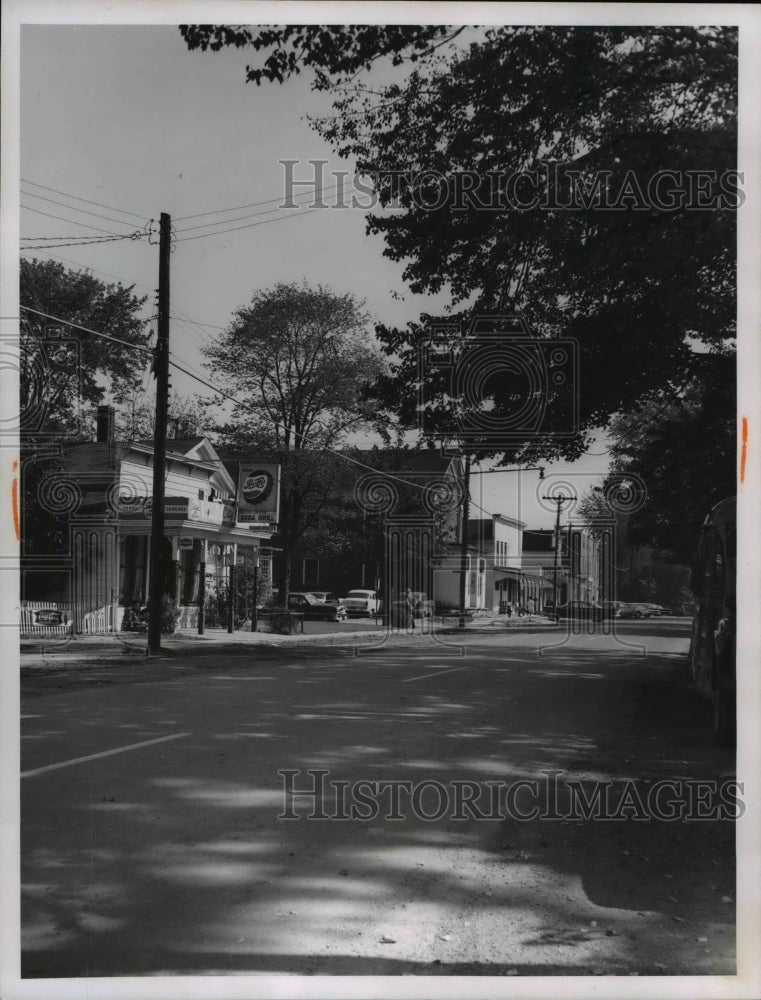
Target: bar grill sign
(259,495)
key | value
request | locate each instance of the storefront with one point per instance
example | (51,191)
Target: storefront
(103,567)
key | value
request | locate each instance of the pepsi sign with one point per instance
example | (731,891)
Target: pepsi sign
(258,494)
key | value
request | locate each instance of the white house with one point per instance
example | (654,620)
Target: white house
(103,489)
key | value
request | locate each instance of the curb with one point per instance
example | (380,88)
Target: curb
(83,649)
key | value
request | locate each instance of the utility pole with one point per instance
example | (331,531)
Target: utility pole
(161,371)
(464,538)
(558,501)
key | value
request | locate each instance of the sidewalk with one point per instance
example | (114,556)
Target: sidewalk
(47,651)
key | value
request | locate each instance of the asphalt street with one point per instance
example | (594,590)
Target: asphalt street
(153,841)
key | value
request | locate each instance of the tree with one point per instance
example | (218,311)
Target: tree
(300,358)
(65,370)
(684,449)
(582,176)
(64,374)
(187,418)
(633,571)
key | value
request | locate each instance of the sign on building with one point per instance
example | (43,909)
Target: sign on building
(259,495)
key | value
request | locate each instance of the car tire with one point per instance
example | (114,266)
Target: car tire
(637,614)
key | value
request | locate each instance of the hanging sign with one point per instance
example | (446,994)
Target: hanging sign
(259,495)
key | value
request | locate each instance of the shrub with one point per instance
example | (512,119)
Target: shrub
(170,615)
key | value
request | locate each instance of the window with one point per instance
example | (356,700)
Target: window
(132,566)
(201,495)
(311,571)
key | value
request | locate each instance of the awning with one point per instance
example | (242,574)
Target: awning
(508,573)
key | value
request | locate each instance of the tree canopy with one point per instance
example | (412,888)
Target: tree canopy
(300,359)
(66,369)
(580,176)
(684,450)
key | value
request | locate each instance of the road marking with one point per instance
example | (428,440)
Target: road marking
(104,753)
(422,677)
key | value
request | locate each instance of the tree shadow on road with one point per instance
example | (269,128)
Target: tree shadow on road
(188,870)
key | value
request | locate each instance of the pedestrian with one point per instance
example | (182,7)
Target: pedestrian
(410,603)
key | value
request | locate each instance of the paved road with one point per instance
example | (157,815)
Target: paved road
(167,856)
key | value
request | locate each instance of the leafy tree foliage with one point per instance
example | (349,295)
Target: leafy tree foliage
(684,449)
(345,536)
(187,418)
(300,358)
(636,268)
(65,370)
(64,374)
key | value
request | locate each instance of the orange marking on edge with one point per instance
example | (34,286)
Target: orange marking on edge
(14,502)
(744,450)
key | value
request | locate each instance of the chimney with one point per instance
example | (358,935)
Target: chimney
(105,424)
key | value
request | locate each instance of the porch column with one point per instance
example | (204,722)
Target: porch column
(231,589)
(176,561)
(256,589)
(202,587)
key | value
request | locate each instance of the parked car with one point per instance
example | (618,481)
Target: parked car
(655,610)
(361,603)
(314,610)
(325,596)
(581,609)
(633,611)
(610,608)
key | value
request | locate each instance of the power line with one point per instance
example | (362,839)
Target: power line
(253,204)
(185,367)
(84,225)
(116,277)
(75,208)
(221,392)
(86,267)
(87,241)
(251,225)
(66,194)
(97,333)
(241,218)
(195,322)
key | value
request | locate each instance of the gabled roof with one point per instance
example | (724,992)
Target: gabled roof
(96,457)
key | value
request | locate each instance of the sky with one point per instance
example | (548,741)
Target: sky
(127,117)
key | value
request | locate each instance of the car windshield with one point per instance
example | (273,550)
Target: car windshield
(359,593)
